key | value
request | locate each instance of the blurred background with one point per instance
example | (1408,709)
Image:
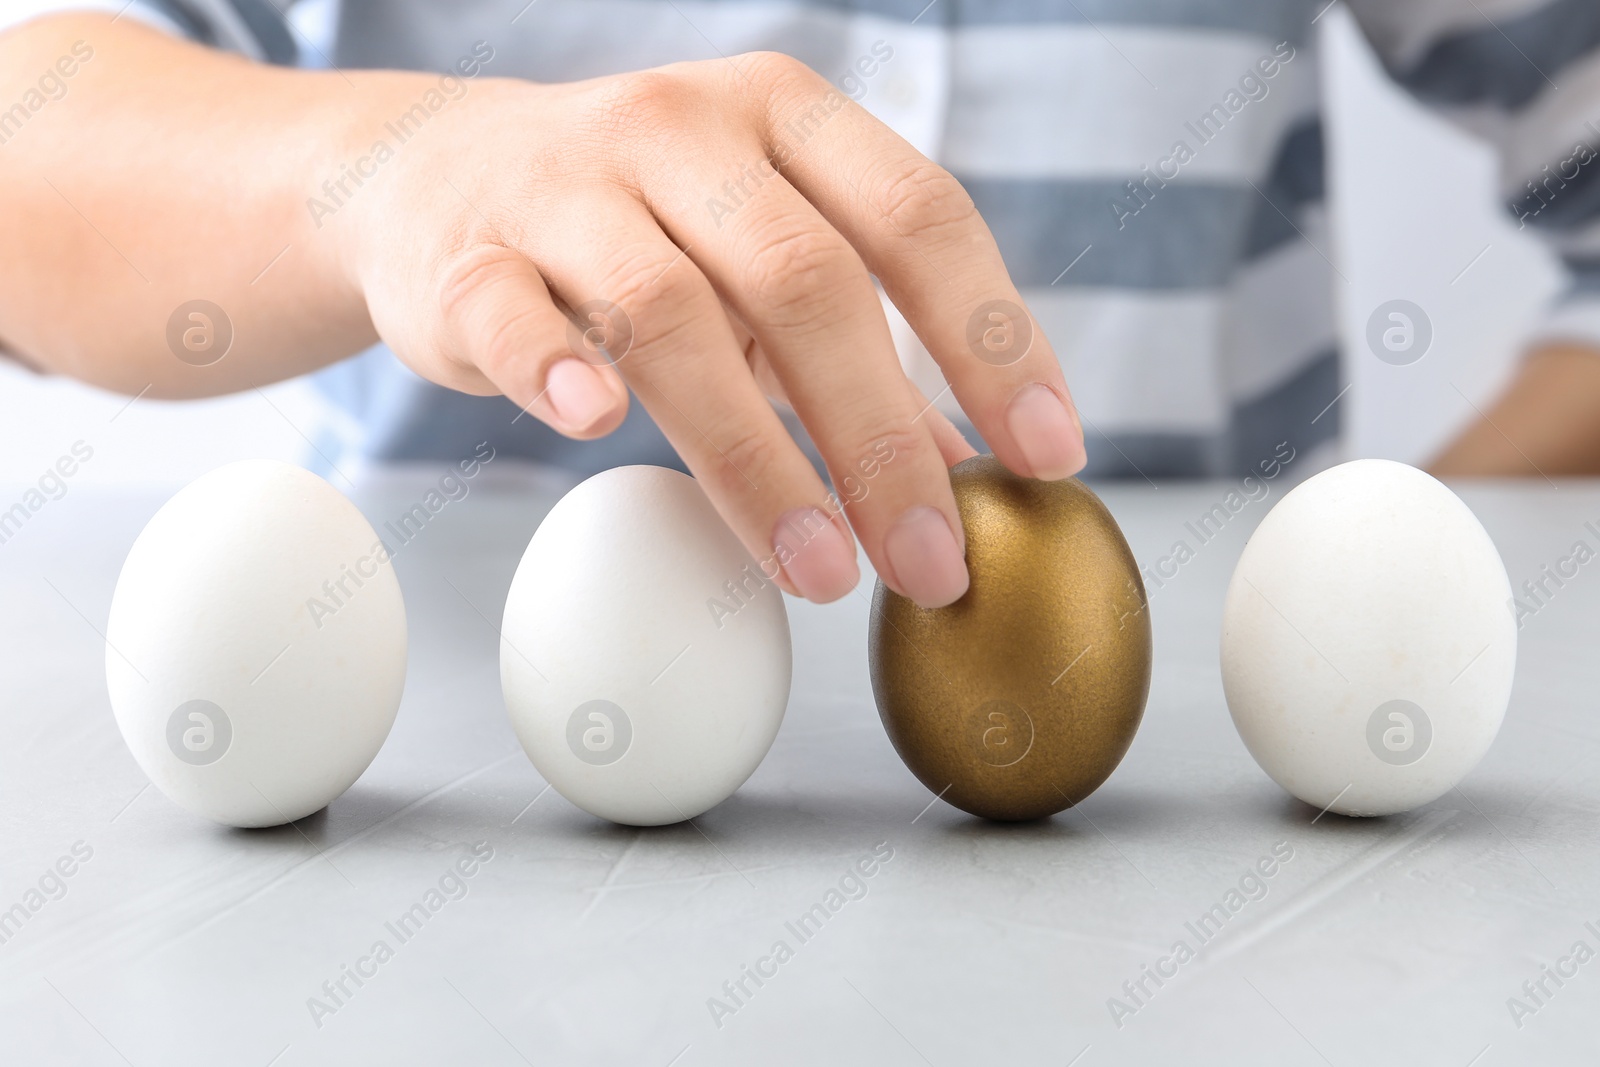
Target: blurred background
(1416,216)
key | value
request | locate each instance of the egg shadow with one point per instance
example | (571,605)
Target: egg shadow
(1131,809)
(363,809)
(1123,812)
(1293,813)
(1054,829)
(791,819)
(1470,818)
(313,827)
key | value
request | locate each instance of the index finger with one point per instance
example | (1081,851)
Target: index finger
(917,230)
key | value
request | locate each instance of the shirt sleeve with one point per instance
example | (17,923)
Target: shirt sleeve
(253,28)
(1524,75)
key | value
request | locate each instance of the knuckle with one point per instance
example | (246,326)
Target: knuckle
(464,278)
(890,445)
(504,342)
(798,269)
(663,301)
(746,454)
(779,71)
(858,459)
(486,329)
(926,199)
(644,100)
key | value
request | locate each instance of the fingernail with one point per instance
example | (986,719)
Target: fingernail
(816,556)
(577,394)
(1045,432)
(926,558)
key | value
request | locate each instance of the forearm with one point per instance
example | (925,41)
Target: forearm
(165,173)
(1547,422)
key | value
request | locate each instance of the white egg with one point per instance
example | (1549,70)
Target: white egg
(256,649)
(645,658)
(1368,642)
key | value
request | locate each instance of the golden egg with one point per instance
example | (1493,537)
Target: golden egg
(1020,698)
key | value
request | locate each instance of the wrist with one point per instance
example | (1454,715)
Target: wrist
(389,166)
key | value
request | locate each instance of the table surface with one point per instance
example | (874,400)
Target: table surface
(1394,940)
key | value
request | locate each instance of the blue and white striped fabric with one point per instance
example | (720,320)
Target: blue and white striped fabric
(1152,169)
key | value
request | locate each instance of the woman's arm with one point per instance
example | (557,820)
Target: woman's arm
(1546,422)
(716,225)
(138,173)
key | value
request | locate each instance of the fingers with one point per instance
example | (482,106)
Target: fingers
(501,325)
(689,371)
(807,298)
(792,260)
(952,445)
(918,232)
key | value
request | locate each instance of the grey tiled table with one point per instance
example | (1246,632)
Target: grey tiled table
(1395,940)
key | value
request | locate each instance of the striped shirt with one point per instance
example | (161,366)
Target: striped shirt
(1153,170)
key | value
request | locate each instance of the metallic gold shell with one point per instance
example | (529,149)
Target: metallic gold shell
(1019,699)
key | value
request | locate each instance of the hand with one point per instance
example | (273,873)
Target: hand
(645,204)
